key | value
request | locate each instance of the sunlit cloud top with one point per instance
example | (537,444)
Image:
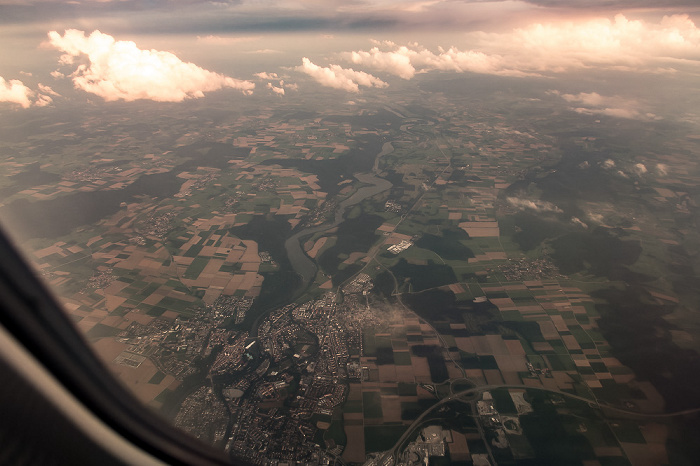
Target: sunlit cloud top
(338,77)
(619,43)
(14,91)
(119,70)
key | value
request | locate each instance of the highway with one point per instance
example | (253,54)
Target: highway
(390,456)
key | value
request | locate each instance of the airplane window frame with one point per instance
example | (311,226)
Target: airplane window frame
(31,315)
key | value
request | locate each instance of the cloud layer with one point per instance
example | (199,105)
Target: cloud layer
(118,70)
(339,78)
(406,61)
(541,49)
(619,43)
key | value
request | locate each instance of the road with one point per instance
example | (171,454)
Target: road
(390,456)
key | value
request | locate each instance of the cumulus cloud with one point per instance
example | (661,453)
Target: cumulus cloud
(395,62)
(47,90)
(264,75)
(278,86)
(662,169)
(614,106)
(43,100)
(276,90)
(592,98)
(639,169)
(630,114)
(619,43)
(120,70)
(537,205)
(16,92)
(608,164)
(595,217)
(539,49)
(339,78)
(406,61)
(578,222)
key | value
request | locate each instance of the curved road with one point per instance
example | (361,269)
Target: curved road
(389,457)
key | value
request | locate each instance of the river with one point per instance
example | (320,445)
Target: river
(303,264)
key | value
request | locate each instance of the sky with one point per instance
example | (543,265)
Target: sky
(175,50)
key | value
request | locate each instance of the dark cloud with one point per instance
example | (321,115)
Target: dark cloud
(228,16)
(52,10)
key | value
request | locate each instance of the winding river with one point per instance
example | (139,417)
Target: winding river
(303,264)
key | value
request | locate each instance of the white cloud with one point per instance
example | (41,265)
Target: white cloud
(630,114)
(15,91)
(596,104)
(618,43)
(406,61)
(592,99)
(608,164)
(397,62)
(259,51)
(47,90)
(120,70)
(578,222)
(43,100)
(339,78)
(276,90)
(537,205)
(639,169)
(264,75)
(597,218)
(281,86)
(537,49)
(662,169)
(223,40)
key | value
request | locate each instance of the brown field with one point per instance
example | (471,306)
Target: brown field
(354,257)
(477,375)
(317,247)
(404,374)
(459,450)
(511,363)
(514,347)
(480,229)
(421,370)
(355,449)
(493,377)
(549,331)
(387,372)
(532,383)
(511,378)
(391,407)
